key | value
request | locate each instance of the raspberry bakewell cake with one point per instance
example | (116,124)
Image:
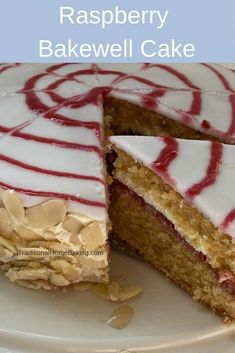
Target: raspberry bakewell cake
(55,121)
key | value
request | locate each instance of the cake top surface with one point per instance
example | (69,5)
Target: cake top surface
(51,121)
(203,172)
(201,96)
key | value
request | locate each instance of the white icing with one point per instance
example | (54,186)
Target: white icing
(52,157)
(72,134)
(129,82)
(27,179)
(13,111)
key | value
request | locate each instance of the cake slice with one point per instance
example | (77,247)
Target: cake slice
(173,202)
(193,101)
(53,215)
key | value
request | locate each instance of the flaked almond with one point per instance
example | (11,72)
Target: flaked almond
(13,206)
(14,237)
(5,223)
(63,236)
(118,293)
(101,290)
(28,234)
(7,244)
(2,250)
(46,214)
(114,292)
(121,316)
(95,263)
(35,284)
(72,225)
(5,267)
(21,263)
(58,280)
(34,264)
(48,235)
(51,245)
(33,274)
(82,286)
(82,218)
(5,254)
(67,270)
(92,236)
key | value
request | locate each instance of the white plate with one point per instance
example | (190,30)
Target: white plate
(165,320)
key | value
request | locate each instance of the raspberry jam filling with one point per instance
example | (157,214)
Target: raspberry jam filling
(225,278)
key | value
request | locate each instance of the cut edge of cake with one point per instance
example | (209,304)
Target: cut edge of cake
(146,194)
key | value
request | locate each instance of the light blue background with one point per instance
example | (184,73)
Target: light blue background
(209,24)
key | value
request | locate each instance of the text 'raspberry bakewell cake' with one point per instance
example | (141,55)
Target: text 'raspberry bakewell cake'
(170,194)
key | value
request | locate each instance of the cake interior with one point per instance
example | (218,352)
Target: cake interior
(125,117)
(173,236)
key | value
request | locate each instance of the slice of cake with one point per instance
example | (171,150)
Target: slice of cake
(173,202)
(53,215)
(193,101)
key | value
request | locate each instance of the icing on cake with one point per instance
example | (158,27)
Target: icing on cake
(46,128)
(51,148)
(55,111)
(203,172)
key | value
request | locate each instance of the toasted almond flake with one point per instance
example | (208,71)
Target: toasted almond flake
(29,264)
(21,263)
(114,292)
(67,270)
(58,280)
(14,237)
(34,264)
(42,243)
(48,235)
(50,245)
(33,274)
(121,316)
(74,240)
(118,293)
(5,223)
(14,206)
(2,251)
(101,290)
(28,234)
(7,244)
(35,284)
(63,236)
(95,263)
(5,267)
(46,214)
(82,218)
(72,225)
(5,254)
(92,236)
(82,286)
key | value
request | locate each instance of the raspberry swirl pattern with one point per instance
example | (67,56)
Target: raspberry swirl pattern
(51,121)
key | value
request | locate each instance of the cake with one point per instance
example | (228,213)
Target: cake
(55,124)
(172,200)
